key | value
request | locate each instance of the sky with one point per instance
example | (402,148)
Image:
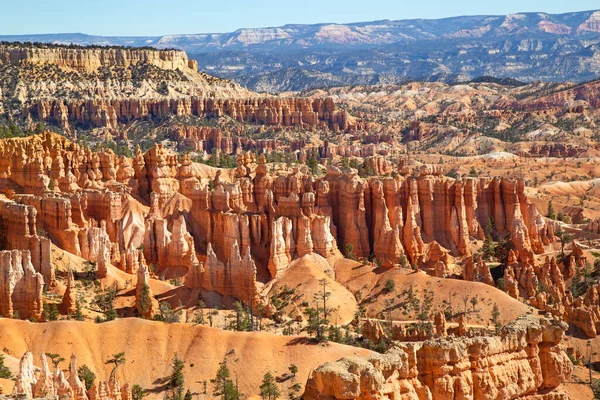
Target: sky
(155,18)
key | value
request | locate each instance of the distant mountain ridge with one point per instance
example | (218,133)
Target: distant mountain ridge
(523,46)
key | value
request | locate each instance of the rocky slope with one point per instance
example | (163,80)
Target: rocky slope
(477,118)
(95,87)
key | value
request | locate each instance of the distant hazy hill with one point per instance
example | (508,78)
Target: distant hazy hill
(525,47)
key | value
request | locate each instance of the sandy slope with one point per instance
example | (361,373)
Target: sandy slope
(304,275)
(370,281)
(150,346)
(577,387)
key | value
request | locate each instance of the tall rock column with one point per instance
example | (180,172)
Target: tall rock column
(20,286)
(145,303)
(69,301)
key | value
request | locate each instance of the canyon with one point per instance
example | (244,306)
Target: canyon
(418,240)
(238,233)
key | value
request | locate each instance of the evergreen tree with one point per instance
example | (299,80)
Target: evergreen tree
(145,301)
(231,391)
(55,359)
(105,302)
(78,313)
(313,165)
(564,238)
(312,327)
(117,359)
(495,320)
(167,313)
(51,312)
(241,320)
(550,213)
(176,380)
(350,251)
(293,369)
(199,319)
(489,247)
(268,388)
(4,371)
(137,393)
(87,376)
(221,380)
(390,286)
(224,386)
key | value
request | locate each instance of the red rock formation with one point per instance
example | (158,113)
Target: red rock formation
(171,210)
(289,112)
(440,324)
(69,301)
(21,287)
(145,303)
(236,278)
(525,360)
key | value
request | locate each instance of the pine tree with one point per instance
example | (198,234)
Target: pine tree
(86,375)
(145,301)
(78,313)
(4,371)
(137,393)
(117,359)
(55,359)
(550,213)
(106,303)
(564,238)
(313,165)
(231,391)
(221,380)
(268,388)
(224,386)
(51,312)
(199,319)
(176,381)
(489,247)
(495,320)
(293,369)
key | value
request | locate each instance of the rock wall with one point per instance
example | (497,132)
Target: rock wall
(524,360)
(92,59)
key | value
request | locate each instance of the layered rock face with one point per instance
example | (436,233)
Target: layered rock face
(33,382)
(524,361)
(92,59)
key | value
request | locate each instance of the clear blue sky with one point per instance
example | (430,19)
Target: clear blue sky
(154,17)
